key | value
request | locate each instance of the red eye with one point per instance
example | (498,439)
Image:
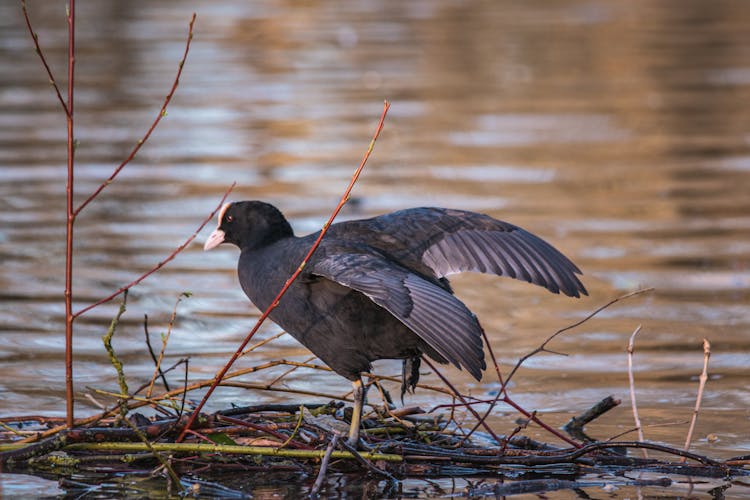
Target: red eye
(229,218)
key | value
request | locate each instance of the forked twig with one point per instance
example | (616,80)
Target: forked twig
(701,385)
(631,381)
(543,346)
(165,339)
(152,353)
(220,375)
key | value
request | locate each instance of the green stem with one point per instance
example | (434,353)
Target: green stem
(234,449)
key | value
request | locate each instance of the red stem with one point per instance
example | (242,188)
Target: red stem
(71,216)
(142,141)
(220,375)
(463,400)
(160,264)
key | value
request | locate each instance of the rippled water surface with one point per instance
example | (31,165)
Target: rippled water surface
(619,131)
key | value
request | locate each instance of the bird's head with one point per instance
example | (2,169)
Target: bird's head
(249,225)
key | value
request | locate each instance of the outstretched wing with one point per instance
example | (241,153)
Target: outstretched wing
(431,312)
(450,241)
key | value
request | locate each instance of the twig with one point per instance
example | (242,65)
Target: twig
(164,341)
(296,428)
(161,264)
(184,392)
(701,385)
(142,141)
(263,387)
(153,354)
(263,342)
(462,399)
(40,53)
(543,346)
(631,380)
(220,375)
(324,466)
(290,370)
(116,363)
(532,416)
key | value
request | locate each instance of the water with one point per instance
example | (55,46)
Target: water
(616,130)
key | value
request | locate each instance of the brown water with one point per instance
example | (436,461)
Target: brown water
(619,131)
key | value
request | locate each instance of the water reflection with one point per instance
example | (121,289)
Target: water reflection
(614,129)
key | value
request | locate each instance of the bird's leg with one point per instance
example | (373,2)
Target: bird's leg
(359,401)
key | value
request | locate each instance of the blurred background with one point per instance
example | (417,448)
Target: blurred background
(619,131)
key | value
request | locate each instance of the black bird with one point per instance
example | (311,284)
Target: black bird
(376,288)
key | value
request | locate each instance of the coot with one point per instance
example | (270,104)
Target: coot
(376,288)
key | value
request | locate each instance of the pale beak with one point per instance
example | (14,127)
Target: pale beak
(213,241)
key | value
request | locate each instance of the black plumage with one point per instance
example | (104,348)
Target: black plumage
(377,289)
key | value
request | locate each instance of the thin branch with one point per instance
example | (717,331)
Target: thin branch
(142,141)
(543,346)
(40,53)
(151,352)
(164,341)
(631,381)
(501,392)
(463,400)
(160,264)
(263,342)
(220,375)
(324,466)
(290,370)
(701,385)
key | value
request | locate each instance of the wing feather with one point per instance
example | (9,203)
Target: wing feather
(431,312)
(449,241)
